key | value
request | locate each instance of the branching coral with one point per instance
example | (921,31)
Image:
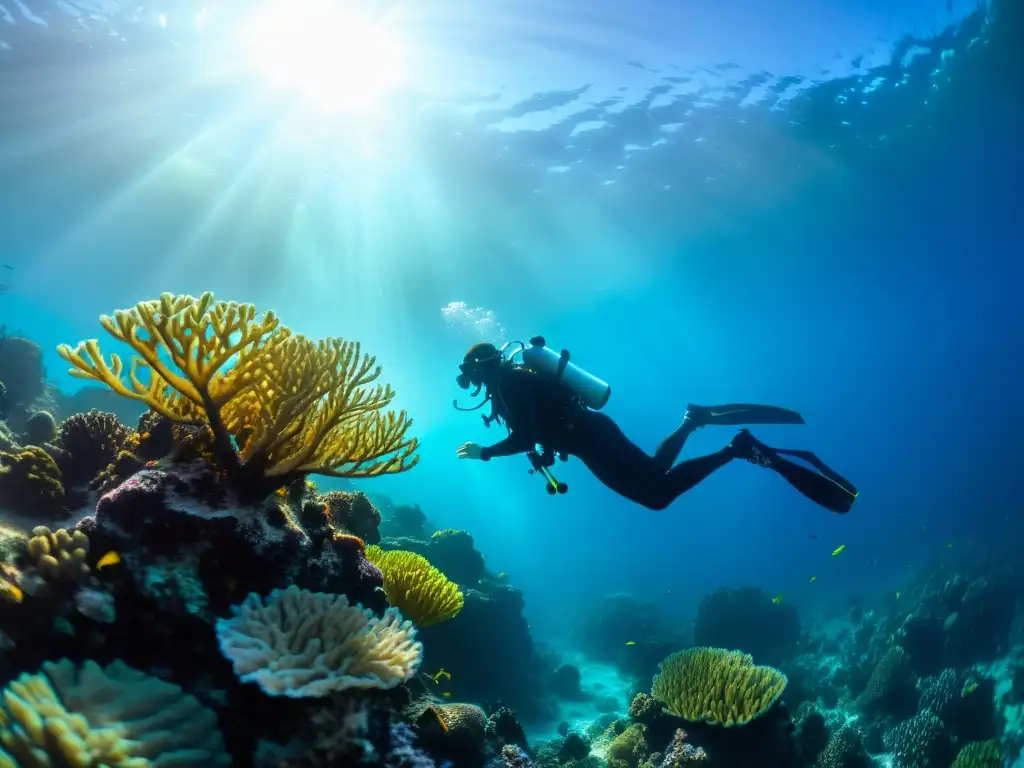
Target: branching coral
(31,483)
(117,717)
(278,404)
(416,587)
(308,644)
(716,686)
(92,441)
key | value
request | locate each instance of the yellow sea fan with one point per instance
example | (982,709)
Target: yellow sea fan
(716,686)
(415,587)
(279,405)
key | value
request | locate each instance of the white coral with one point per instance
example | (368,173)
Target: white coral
(306,644)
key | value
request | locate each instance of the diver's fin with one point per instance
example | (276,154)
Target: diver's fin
(737,414)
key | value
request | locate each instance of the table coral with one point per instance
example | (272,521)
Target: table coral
(278,404)
(716,686)
(306,644)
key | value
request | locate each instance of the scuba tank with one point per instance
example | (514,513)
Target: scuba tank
(592,391)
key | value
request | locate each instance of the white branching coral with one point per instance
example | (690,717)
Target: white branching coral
(115,716)
(306,644)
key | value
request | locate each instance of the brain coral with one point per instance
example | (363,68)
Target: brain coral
(307,644)
(716,686)
(116,716)
(412,584)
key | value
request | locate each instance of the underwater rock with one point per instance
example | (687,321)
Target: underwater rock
(574,747)
(767,742)
(352,513)
(628,632)
(405,521)
(565,683)
(748,620)
(21,366)
(173,528)
(452,552)
(509,671)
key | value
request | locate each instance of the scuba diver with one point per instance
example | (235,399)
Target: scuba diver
(548,402)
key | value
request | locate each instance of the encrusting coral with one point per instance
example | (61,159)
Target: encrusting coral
(307,644)
(417,588)
(717,686)
(278,404)
(31,483)
(115,716)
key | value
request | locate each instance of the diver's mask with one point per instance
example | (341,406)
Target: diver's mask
(472,369)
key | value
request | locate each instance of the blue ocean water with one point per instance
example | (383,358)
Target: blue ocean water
(814,205)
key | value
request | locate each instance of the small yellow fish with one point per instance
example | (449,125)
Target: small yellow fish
(439,674)
(813,579)
(11,592)
(778,598)
(969,687)
(631,642)
(447,694)
(111,558)
(838,549)
(898,595)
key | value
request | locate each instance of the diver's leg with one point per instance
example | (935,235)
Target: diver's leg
(618,462)
(687,474)
(670,448)
(818,488)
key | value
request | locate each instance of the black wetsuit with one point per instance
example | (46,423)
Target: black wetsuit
(539,410)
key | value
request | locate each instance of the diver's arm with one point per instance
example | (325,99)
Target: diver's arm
(518,393)
(517,442)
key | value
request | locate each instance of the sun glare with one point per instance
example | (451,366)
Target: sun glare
(329,53)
